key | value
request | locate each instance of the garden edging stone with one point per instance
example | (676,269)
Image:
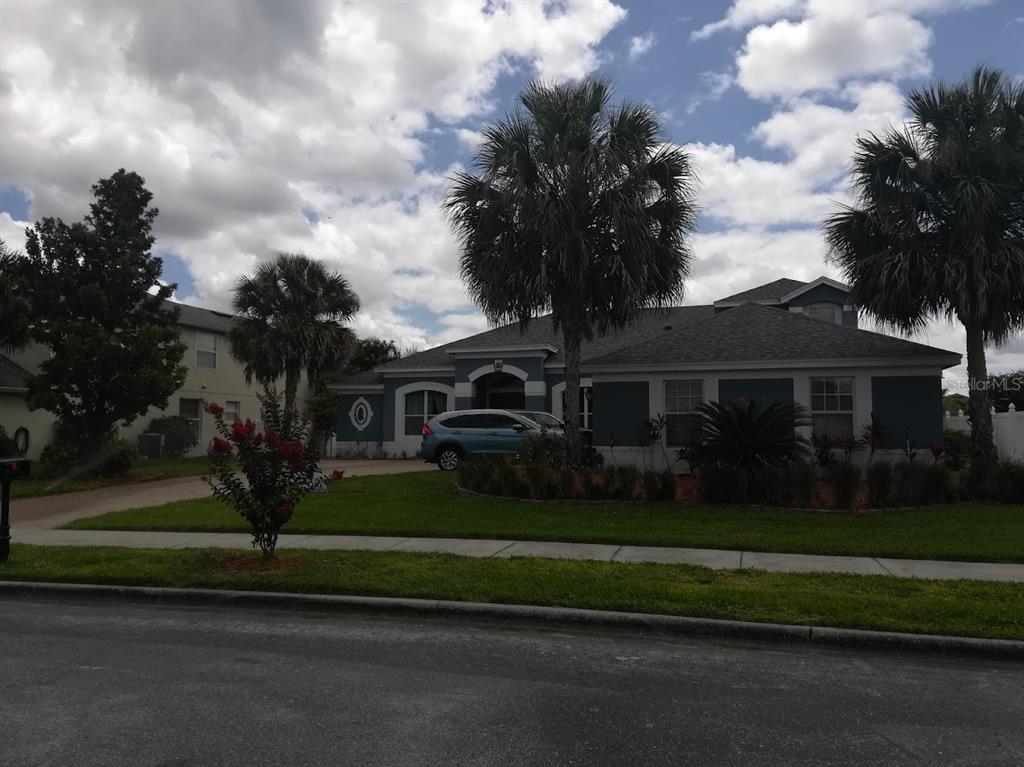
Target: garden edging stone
(528,616)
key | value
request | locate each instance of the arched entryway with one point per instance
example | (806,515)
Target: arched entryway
(499,390)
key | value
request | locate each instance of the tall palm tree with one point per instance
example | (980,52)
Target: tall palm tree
(14,305)
(289,319)
(577,208)
(937,229)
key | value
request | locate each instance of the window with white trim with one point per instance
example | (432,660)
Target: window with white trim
(232,411)
(586,406)
(832,407)
(192,410)
(206,351)
(828,312)
(682,422)
(421,406)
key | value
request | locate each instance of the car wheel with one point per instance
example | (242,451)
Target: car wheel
(449,459)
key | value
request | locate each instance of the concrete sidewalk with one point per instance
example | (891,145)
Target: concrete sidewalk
(716,559)
(50,511)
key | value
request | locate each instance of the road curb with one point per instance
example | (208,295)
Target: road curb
(527,616)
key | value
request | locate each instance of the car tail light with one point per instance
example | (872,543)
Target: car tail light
(426,430)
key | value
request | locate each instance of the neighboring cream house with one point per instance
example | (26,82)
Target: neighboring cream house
(213,376)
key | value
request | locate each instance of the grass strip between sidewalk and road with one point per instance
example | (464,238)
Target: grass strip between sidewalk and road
(428,504)
(956,608)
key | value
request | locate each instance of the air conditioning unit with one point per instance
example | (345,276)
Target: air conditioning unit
(151,445)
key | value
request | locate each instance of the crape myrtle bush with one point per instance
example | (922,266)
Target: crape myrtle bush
(275,468)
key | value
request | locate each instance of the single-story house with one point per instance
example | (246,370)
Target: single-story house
(213,376)
(787,341)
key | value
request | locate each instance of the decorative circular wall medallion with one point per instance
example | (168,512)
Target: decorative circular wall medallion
(22,441)
(360,414)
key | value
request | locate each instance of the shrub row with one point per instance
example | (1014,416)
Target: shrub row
(512,478)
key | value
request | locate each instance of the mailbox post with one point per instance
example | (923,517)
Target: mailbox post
(10,469)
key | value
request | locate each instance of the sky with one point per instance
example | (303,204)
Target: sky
(330,128)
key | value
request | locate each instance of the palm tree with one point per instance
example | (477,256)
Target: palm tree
(289,319)
(14,306)
(937,229)
(578,209)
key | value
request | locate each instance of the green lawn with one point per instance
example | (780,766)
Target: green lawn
(427,504)
(142,471)
(963,608)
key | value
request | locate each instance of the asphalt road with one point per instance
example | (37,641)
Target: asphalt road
(116,684)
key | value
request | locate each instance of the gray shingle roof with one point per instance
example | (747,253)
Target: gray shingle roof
(754,333)
(771,291)
(12,375)
(541,332)
(204,319)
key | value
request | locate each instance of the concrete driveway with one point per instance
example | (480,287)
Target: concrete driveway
(55,510)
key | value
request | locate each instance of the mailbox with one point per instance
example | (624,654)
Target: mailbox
(10,468)
(14,468)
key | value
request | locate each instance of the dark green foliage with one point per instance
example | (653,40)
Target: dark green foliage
(367,354)
(66,457)
(937,227)
(881,484)
(576,208)
(791,485)
(7,446)
(666,486)
(321,410)
(179,437)
(722,483)
(1007,482)
(940,484)
(15,310)
(98,304)
(846,478)
(910,484)
(544,450)
(290,315)
(958,448)
(749,435)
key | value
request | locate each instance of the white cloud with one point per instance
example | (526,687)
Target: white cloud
(244,119)
(744,13)
(469,138)
(640,45)
(713,85)
(836,41)
(12,231)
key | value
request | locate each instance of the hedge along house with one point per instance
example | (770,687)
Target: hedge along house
(787,341)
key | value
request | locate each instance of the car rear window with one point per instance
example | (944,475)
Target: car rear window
(465,421)
(501,421)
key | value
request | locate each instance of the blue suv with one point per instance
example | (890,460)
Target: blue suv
(450,437)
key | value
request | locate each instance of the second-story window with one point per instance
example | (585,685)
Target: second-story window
(827,312)
(206,351)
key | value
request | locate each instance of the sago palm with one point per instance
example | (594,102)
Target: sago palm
(576,208)
(290,317)
(750,435)
(937,228)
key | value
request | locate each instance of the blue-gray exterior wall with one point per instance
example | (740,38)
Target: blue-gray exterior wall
(762,390)
(344,429)
(826,294)
(534,366)
(908,407)
(388,404)
(620,409)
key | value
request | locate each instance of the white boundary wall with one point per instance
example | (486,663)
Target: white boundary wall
(1008,428)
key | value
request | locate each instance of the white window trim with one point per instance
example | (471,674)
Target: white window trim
(837,311)
(215,352)
(664,398)
(238,410)
(408,443)
(556,401)
(852,412)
